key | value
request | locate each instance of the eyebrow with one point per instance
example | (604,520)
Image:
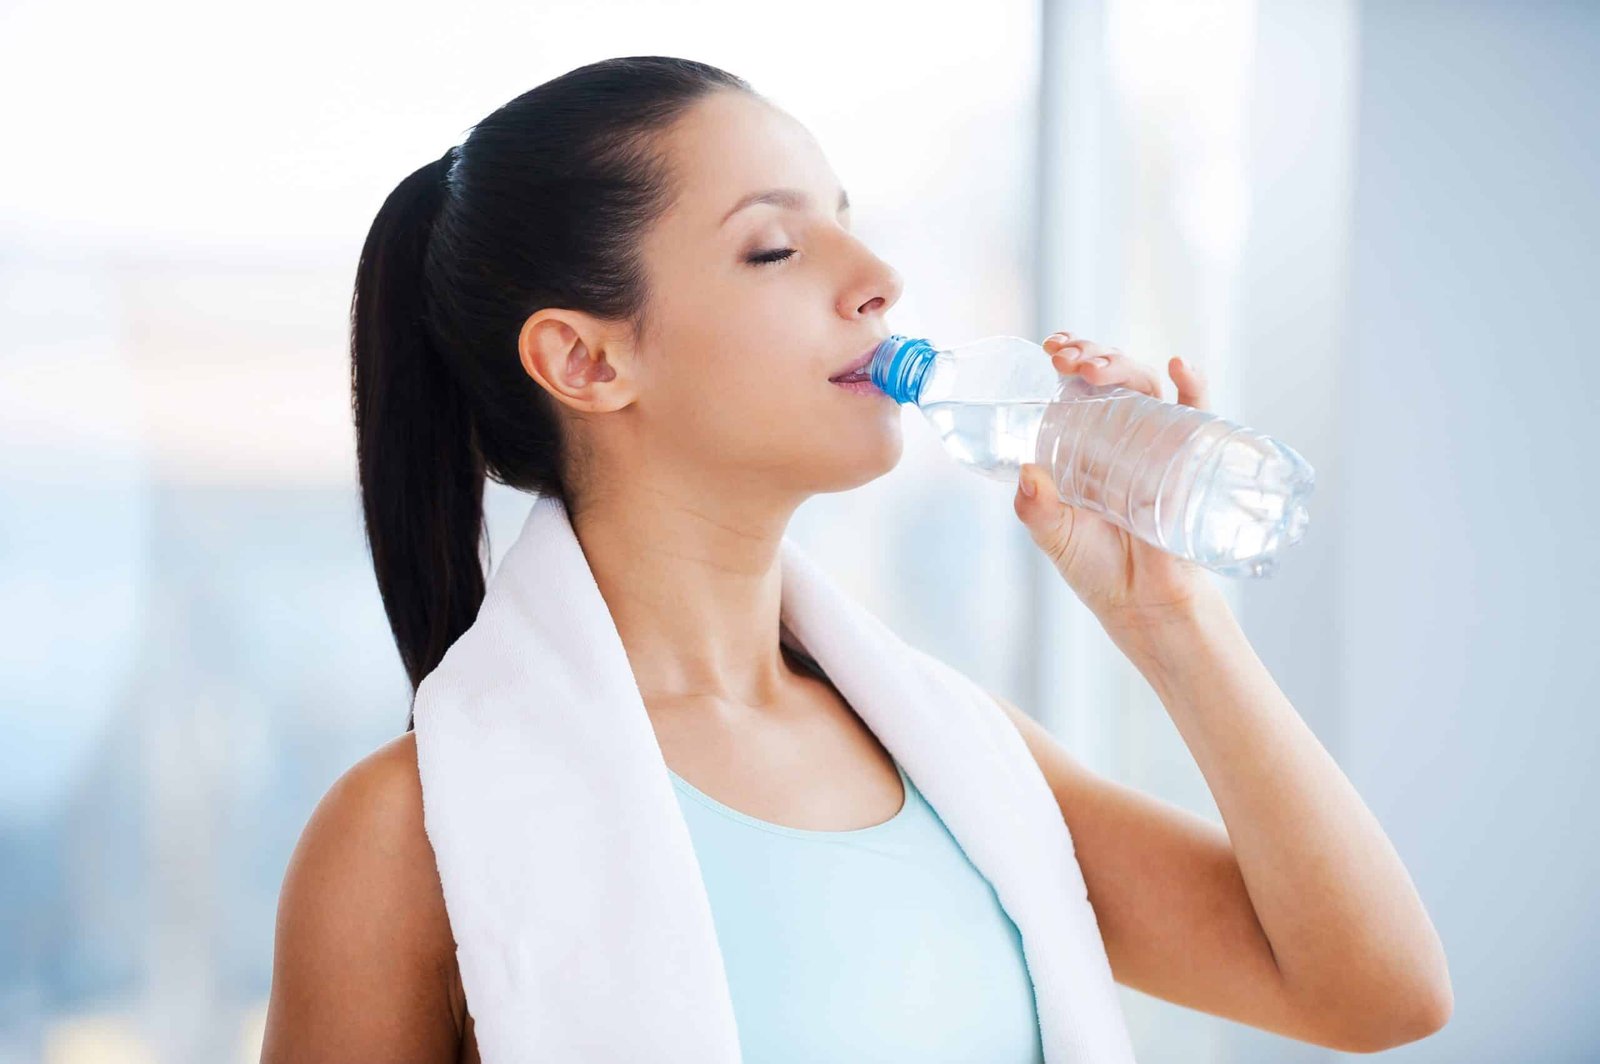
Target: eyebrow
(791,198)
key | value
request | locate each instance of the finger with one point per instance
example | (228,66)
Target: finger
(1116,368)
(1081,346)
(1055,341)
(1192,390)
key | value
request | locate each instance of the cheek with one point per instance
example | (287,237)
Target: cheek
(810,434)
(842,438)
(736,398)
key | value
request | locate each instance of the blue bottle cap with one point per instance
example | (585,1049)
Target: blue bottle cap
(899,365)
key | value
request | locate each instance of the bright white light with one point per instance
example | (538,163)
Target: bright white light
(1184,73)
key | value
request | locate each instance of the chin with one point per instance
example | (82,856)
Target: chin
(862,457)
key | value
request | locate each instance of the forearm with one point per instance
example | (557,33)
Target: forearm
(1346,925)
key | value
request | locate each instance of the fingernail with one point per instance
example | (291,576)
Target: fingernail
(1101,360)
(1027,486)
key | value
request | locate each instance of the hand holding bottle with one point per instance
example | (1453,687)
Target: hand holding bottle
(1121,578)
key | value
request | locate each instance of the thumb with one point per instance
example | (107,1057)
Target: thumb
(1042,510)
(1049,520)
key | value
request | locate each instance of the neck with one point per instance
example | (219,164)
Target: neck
(694,589)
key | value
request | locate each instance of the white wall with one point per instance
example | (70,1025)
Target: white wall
(1471,593)
(1445,643)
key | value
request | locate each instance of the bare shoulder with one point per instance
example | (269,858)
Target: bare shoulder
(363,958)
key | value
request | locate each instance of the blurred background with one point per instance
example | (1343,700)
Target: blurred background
(1372,223)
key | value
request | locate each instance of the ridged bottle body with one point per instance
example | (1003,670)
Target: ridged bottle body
(1184,480)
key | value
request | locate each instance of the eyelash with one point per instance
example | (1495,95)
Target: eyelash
(767,258)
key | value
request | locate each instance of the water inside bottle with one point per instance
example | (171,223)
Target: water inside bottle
(994,437)
(1195,486)
(1186,481)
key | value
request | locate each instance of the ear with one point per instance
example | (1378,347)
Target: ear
(578,359)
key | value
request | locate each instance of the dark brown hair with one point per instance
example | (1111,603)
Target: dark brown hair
(543,204)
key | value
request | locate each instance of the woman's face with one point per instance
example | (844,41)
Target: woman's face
(730,387)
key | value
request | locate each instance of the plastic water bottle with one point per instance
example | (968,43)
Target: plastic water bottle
(1184,480)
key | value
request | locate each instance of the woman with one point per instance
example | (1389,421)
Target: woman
(630,287)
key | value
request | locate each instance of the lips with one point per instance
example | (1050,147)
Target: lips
(857,369)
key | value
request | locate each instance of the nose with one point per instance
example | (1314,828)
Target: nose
(877,289)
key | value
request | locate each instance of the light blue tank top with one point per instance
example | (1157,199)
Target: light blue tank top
(882,944)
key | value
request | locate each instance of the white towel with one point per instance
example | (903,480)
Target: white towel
(582,925)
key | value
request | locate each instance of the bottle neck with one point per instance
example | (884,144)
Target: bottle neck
(900,366)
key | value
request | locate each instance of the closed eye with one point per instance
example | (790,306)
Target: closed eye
(763,258)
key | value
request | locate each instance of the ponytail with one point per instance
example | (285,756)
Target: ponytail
(417,456)
(544,204)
